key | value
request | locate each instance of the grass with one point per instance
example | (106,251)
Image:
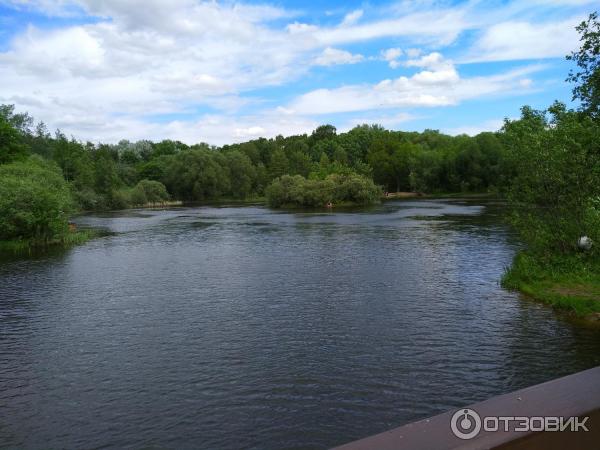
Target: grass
(65,241)
(570,283)
(223,201)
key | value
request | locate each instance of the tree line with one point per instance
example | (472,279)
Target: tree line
(101,176)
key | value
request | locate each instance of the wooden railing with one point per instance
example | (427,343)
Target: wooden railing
(563,403)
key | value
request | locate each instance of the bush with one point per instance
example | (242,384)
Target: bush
(35,201)
(88,199)
(336,188)
(151,191)
(120,199)
(138,196)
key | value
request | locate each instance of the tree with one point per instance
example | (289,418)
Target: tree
(196,175)
(556,157)
(322,132)
(279,163)
(151,191)
(35,200)
(587,77)
(106,178)
(12,127)
(242,174)
(392,162)
(167,147)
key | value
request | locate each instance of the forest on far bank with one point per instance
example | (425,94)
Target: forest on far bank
(102,176)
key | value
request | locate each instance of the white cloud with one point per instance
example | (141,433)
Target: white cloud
(433,60)
(413,52)
(516,40)
(472,130)
(353,17)
(439,27)
(332,56)
(250,132)
(389,121)
(391,55)
(224,129)
(428,88)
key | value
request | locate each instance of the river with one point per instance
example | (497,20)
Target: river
(242,327)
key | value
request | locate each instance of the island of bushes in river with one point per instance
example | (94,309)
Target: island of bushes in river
(335,189)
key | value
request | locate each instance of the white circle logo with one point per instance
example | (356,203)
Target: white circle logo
(465,424)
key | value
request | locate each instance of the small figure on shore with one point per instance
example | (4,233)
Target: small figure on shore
(72,227)
(329,205)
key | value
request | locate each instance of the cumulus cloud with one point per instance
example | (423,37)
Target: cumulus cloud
(433,60)
(391,55)
(332,56)
(428,88)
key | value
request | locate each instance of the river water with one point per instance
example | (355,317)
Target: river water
(242,327)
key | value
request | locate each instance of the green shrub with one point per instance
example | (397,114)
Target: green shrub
(151,191)
(35,200)
(88,199)
(138,196)
(120,199)
(336,188)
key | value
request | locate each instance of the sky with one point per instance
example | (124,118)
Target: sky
(223,72)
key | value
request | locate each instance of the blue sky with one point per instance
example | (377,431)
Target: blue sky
(219,72)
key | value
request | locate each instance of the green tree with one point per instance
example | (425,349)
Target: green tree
(392,162)
(35,200)
(279,164)
(12,128)
(149,191)
(587,76)
(196,175)
(242,174)
(323,132)
(556,156)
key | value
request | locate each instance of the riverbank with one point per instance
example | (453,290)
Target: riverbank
(250,200)
(164,204)
(411,195)
(570,283)
(68,240)
(397,195)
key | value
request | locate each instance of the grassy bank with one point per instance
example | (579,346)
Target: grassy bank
(570,283)
(67,240)
(440,195)
(163,204)
(250,200)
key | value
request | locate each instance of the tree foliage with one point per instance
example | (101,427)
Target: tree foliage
(586,77)
(35,200)
(556,156)
(335,188)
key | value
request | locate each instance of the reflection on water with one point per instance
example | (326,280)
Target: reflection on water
(241,327)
